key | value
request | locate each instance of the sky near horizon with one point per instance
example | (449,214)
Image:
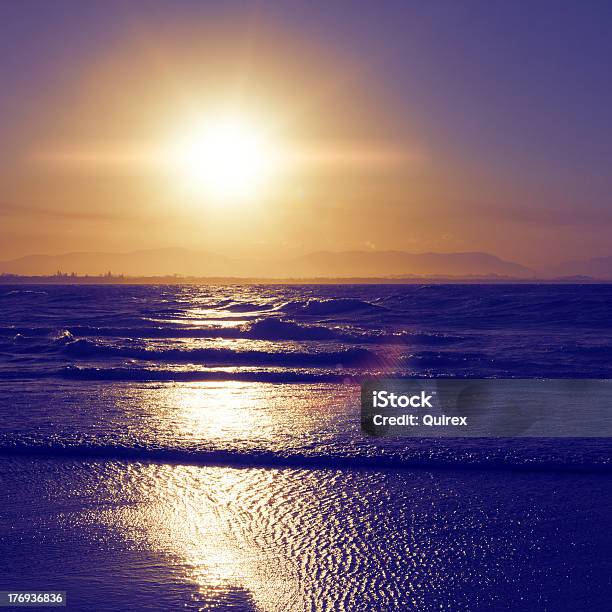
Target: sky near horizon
(283,128)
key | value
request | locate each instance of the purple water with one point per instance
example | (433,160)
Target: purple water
(199,447)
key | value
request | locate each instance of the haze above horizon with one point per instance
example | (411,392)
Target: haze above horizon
(321,264)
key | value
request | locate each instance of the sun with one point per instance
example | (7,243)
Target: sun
(227,158)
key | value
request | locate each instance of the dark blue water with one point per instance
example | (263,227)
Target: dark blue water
(199,447)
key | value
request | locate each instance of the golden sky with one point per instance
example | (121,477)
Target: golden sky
(243,137)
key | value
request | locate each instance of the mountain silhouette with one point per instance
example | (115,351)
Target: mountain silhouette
(185,262)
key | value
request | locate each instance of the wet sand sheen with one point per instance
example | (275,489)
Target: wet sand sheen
(263,539)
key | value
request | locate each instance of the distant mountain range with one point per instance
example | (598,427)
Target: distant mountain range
(382,264)
(159,262)
(597,267)
(398,263)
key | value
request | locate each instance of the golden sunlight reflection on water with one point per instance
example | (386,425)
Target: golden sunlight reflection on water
(290,539)
(285,539)
(213,524)
(232,530)
(239,415)
(221,410)
(212,322)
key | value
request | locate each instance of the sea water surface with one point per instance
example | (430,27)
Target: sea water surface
(198,447)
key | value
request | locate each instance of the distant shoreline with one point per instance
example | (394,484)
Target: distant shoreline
(9,279)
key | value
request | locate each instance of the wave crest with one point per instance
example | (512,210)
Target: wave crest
(351,357)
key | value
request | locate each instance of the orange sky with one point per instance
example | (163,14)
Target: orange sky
(369,174)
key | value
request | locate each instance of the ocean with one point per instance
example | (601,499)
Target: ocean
(199,448)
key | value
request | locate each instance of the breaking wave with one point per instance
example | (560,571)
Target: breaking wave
(353,357)
(152,375)
(272,328)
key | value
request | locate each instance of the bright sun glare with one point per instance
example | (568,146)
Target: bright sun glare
(226,158)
